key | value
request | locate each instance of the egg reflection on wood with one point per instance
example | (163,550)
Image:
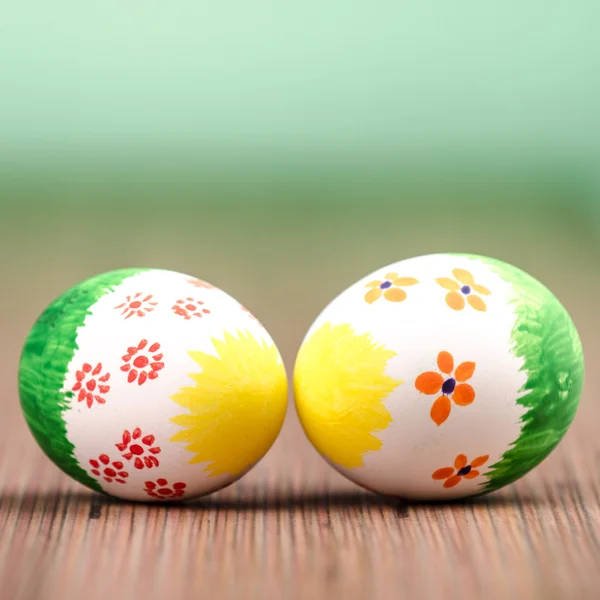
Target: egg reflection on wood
(151,385)
(439,377)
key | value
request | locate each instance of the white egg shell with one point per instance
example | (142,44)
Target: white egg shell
(163,386)
(418,381)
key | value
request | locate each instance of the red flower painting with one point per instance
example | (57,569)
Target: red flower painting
(91,384)
(142,363)
(140,448)
(188,308)
(162,490)
(138,304)
(109,471)
(199,283)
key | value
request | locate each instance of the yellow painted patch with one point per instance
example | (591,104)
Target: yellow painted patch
(237,406)
(340,386)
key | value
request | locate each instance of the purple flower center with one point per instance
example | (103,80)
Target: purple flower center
(464,471)
(385,285)
(448,386)
(465,289)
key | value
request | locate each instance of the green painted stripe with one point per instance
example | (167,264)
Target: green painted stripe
(545,337)
(47,352)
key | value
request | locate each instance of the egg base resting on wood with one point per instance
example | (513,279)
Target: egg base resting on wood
(439,377)
(151,385)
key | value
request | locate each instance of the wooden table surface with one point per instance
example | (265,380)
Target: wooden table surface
(293,528)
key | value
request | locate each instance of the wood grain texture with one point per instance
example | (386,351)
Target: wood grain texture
(293,528)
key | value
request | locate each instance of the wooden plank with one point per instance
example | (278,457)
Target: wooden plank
(293,528)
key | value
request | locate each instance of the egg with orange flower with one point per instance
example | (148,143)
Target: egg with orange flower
(151,385)
(439,377)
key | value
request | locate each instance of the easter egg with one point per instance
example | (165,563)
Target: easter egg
(439,377)
(149,385)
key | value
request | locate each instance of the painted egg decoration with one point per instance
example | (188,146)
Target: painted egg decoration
(439,377)
(148,384)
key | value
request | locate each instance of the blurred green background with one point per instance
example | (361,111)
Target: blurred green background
(283,150)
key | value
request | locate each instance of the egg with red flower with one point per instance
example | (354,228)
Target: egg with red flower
(148,385)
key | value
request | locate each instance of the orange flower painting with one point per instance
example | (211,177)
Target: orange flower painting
(462,468)
(390,288)
(450,383)
(469,290)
